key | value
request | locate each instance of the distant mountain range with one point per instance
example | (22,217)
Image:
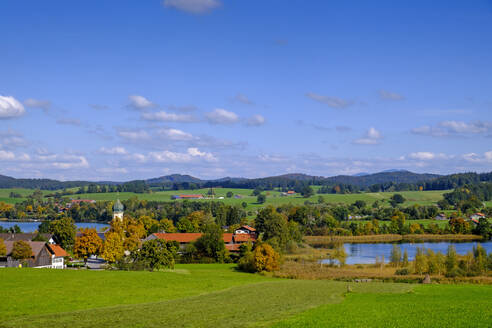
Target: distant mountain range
(361,180)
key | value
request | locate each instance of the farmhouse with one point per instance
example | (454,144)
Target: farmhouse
(475,218)
(27,237)
(441,216)
(232,240)
(44,255)
(187,196)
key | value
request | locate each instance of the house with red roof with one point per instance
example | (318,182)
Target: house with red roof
(44,255)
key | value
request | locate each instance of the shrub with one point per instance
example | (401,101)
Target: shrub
(402,272)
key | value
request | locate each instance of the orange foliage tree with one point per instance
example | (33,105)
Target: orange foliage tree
(89,243)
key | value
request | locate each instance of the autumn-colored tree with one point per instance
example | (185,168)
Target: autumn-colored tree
(3,248)
(265,258)
(21,250)
(167,225)
(113,247)
(87,244)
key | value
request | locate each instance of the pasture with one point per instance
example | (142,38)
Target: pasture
(216,295)
(245,196)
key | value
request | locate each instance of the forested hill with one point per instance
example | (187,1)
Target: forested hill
(383,181)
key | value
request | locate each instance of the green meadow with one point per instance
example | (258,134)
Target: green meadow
(245,195)
(216,295)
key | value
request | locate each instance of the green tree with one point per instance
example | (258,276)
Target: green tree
(396,199)
(261,199)
(211,244)
(63,231)
(229,194)
(273,226)
(307,191)
(156,254)
(244,204)
(395,257)
(21,250)
(451,261)
(405,259)
(420,262)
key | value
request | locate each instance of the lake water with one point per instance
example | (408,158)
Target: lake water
(32,226)
(367,253)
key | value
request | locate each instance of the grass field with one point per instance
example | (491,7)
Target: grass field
(273,197)
(217,296)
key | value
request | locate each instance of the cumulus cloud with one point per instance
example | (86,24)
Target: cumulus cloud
(221,116)
(139,102)
(11,140)
(113,151)
(168,117)
(10,107)
(387,95)
(192,154)
(134,135)
(196,7)
(255,120)
(427,156)
(175,134)
(45,105)
(11,156)
(62,161)
(455,128)
(243,99)
(372,137)
(112,170)
(333,102)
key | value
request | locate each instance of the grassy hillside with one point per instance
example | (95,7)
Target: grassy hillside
(273,197)
(217,296)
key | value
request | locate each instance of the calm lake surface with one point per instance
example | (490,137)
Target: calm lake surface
(367,253)
(32,226)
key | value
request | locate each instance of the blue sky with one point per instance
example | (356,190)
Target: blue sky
(119,90)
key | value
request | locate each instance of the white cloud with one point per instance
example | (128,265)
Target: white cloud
(243,99)
(134,135)
(62,162)
(193,6)
(168,117)
(175,157)
(175,134)
(140,102)
(113,170)
(113,151)
(45,105)
(10,108)
(426,156)
(222,116)
(11,140)
(455,128)
(390,95)
(330,101)
(488,156)
(372,137)
(256,120)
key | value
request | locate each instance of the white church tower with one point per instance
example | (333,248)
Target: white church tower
(118,210)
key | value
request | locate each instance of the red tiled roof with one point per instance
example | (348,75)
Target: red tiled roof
(179,237)
(58,250)
(191,196)
(233,247)
(248,227)
(243,237)
(291,192)
(227,237)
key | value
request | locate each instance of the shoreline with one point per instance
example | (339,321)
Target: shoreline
(388,238)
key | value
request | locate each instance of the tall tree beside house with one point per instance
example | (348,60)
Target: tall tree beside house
(211,244)
(273,226)
(21,250)
(63,231)
(89,243)
(3,248)
(113,247)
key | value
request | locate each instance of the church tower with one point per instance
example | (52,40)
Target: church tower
(118,210)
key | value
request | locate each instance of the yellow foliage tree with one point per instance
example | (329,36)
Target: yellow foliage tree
(113,247)
(3,248)
(89,243)
(167,225)
(266,258)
